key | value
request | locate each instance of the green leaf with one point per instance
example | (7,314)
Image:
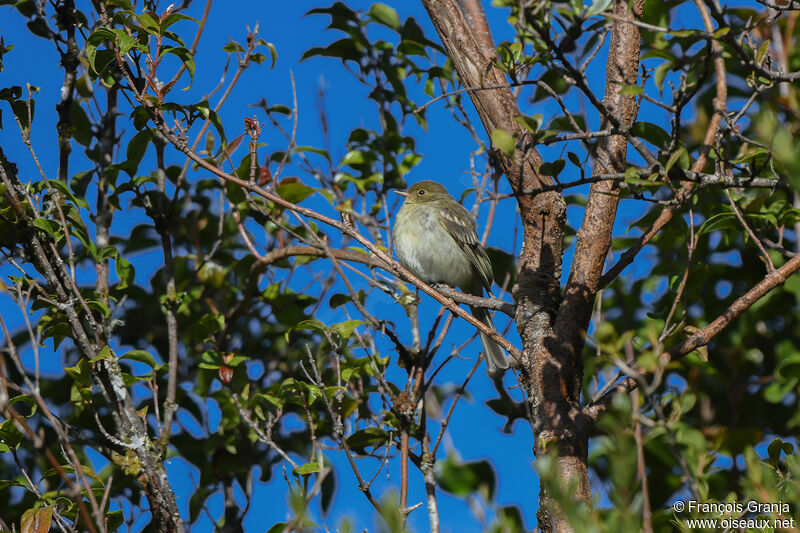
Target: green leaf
(462,479)
(172,18)
(313,150)
(552,169)
(383,14)
(213,117)
(353,157)
(722,32)
(532,124)
(680,153)
(97,305)
(80,373)
(69,469)
(10,435)
(661,74)
(659,53)
(149,23)
(126,273)
(107,252)
(345,329)
(504,141)
(605,333)
(556,79)
(776,391)
(81,127)
(24,398)
(340,299)
(11,93)
(762,51)
(273,53)
(208,325)
(232,47)
(105,353)
(344,49)
(409,162)
(125,42)
(718,222)
(598,6)
(293,190)
(48,226)
(23,114)
(776,447)
(651,133)
(38,26)
(212,274)
(306,469)
(99,36)
(312,324)
(135,151)
(186,57)
(65,190)
(789,368)
(105,61)
(370,436)
(328,491)
(142,356)
(503,265)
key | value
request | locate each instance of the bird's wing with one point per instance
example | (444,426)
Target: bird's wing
(454,219)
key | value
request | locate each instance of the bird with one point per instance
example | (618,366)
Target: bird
(435,238)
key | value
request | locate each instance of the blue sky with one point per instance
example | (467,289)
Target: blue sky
(474,430)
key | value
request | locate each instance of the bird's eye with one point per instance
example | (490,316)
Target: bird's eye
(421,192)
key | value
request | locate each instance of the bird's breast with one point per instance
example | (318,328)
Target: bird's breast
(425,248)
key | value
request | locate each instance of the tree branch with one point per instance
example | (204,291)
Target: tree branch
(594,235)
(720,103)
(705,335)
(344,227)
(105,370)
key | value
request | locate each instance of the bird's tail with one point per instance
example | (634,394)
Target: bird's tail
(495,357)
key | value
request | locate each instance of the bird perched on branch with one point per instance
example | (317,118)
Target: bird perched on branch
(435,238)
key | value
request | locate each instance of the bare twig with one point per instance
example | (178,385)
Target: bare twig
(720,102)
(764,254)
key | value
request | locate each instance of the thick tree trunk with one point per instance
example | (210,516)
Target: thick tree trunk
(552,330)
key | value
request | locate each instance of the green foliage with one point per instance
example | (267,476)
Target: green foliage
(379,160)
(242,317)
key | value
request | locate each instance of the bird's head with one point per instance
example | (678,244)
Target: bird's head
(424,192)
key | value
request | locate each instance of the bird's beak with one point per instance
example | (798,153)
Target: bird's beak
(403,193)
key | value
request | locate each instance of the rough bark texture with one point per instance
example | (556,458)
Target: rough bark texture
(552,332)
(594,235)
